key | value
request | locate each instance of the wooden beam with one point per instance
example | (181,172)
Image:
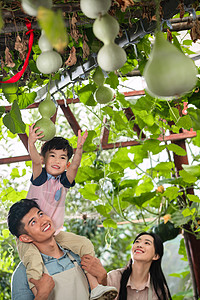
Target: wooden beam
(70,118)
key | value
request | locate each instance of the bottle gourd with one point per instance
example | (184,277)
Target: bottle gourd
(49,61)
(169,73)
(111,56)
(47,109)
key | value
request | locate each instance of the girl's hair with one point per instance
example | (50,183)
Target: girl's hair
(157,277)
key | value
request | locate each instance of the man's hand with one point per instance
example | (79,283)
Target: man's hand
(33,136)
(44,286)
(81,139)
(93,266)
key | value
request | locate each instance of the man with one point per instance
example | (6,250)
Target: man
(63,278)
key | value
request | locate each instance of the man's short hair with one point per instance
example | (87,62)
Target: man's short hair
(57,143)
(16,213)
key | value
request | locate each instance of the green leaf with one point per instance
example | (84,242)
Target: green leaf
(26,99)
(176,149)
(141,199)
(171,192)
(13,121)
(53,24)
(5,233)
(195,117)
(185,122)
(109,223)
(112,80)
(164,168)
(126,68)
(193,198)
(15,173)
(174,114)
(153,146)
(2,110)
(103,210)
(88,173)
(187,177)
(121,98)
(193,170)
(89,191)
(188,212)
(86,95)
(178,220)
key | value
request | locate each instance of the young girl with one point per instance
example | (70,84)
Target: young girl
(49,185)
(143,277)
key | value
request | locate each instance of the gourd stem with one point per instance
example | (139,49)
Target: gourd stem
(49,82)
(158,15)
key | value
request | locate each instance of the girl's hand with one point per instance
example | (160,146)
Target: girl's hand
(81,139)
(33,136)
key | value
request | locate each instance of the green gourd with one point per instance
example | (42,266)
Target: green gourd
(48,128)
(169,73)
(98,76)
(47,109)
(103,94)
(111,56)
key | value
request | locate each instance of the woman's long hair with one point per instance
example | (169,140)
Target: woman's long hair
(157,277)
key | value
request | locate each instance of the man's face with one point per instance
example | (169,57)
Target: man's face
(39,227)
(56,161)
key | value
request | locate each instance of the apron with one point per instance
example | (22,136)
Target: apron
(71,284)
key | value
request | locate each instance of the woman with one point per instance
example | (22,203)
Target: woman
(143,277)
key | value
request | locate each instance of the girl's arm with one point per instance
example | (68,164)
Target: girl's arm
(35,156)
(73,168)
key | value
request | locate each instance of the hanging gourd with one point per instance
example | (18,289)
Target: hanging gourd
(111,56)
(94,8)
(98,76)
(169,73)
(47,109)
(103,94)
(31,6)
(49,61)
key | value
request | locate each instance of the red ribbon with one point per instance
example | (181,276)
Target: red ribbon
(17,76)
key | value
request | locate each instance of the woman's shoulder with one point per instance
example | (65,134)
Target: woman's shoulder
(115,275)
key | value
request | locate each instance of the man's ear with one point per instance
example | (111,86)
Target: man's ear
(156,257)
(25,238)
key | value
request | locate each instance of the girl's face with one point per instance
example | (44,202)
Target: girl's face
(143,249)
(56,161)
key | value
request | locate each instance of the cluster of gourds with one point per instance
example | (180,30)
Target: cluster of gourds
(169,73)
(103,94)
(47,109)
(111,56)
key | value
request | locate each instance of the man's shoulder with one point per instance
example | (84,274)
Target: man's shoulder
(19,284)
(20,269)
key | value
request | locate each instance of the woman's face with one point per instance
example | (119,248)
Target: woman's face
(143,249)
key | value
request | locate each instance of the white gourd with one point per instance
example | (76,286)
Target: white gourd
(31,6)
(49,61)
(106,28)
(169,73)
(94,8)
(111,56)
(44,43)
